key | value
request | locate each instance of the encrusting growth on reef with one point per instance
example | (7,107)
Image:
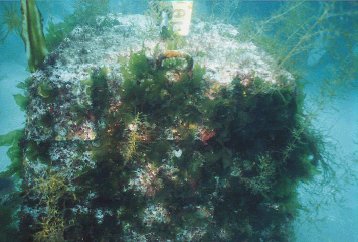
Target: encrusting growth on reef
(132,142)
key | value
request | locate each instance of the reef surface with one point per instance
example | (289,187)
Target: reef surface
(119,149)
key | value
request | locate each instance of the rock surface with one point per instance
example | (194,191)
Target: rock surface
(246,158)
(213,46)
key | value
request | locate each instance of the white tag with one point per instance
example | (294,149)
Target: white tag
(182,11)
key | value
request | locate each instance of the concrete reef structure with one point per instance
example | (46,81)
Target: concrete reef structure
(117,149)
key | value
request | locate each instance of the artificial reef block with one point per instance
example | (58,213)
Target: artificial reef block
(32,34)
(202,144)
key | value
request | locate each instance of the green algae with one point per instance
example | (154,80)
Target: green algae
(249,169)
(235,151)
(10,22)
(8,222)
(15,153)
(21,101)
(251,163)
(32,35)
(11,200)
(100,92)
(45,91)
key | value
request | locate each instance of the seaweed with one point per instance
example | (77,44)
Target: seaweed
(149,91)
(302,35)
(46,91)
(32,35)
(181,154)
(11,21)
(10,200)
(100,92)
(14,139)
(50,189)
(21,101)
(244,166)
(8,211)
(201,160)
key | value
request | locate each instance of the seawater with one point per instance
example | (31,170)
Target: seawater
(337,119)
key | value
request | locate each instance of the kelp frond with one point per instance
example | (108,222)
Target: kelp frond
(32,34)
(15,153)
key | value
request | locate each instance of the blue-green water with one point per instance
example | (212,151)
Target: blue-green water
(336,115)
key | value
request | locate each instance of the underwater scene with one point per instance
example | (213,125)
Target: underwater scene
(178,120)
